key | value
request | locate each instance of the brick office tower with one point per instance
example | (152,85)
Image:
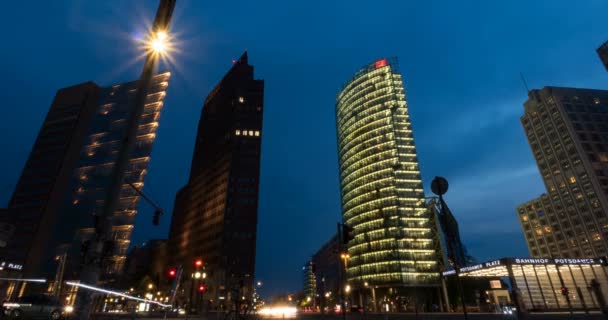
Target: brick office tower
(215,215)
(567,129)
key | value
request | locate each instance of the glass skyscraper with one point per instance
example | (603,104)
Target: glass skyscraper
(382,196)
(63,184)
(216,213)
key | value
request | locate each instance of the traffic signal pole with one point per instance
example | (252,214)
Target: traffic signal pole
(94,255)
(342,272)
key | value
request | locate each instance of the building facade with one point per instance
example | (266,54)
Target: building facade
(382,195)
(567,129)
(309,284)
(602,51)
(148,261)
(215,214)
(62,186)
(327,272)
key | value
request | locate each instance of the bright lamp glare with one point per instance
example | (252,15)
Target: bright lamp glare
(158,45)
(161,35)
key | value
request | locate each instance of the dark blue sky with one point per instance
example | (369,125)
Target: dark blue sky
(460,60)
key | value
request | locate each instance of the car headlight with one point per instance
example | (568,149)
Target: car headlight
(68,309)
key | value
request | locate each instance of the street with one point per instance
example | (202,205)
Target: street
(383,316)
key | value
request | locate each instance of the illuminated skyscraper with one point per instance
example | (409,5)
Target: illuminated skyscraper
(567,129)
(63,184)
(216,213)
(382,196)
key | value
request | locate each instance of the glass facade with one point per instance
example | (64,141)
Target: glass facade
(95,164)
(540,281)
(381,187)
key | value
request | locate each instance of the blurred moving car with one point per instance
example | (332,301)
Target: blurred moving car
(36,307)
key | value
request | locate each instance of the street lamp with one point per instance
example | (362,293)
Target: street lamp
(158,43)
(91,270)
(347,288)
(150,286)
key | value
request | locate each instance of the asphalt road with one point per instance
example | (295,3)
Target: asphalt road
(382,316)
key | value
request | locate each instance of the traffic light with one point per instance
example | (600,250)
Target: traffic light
(198,263)
(348,233)
(156,217)
(564,291)
(172,273)
(201,288)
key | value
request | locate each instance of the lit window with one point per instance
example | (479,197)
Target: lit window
(572,179)
(539,232)
(241,100)
(251,133)
(596,100)
(238,132)
(548,229)
(244,132)
(257,133)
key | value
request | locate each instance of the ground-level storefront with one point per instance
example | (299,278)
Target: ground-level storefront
(548,284)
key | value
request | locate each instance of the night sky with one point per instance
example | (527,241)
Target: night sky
(460,60)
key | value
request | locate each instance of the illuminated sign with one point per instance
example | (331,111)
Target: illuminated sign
(471,268)
(558,261)
(12,266)
(495,284)
(381,63)
(492,263)
(532,261)
(448,273)
(577,261)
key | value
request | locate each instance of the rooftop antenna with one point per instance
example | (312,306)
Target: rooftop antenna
(523,79)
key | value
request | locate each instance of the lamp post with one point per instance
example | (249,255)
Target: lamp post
(94,255)
(439,186)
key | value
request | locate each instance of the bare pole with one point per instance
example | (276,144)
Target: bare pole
(92,269)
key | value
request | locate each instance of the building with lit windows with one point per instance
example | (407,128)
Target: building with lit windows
(309,284)
(394,248)
(602,51)
(64,181)
(567,129)
(216,213)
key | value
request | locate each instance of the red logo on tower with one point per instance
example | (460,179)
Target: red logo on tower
(381,63)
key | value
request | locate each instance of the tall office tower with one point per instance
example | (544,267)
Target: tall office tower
(215,215)
(382,194)
(63,184)
(567,129)
(602,51)
(309,284)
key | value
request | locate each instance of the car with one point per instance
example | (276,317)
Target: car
(38,306)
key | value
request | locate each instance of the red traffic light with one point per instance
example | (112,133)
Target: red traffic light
(201,288)
(172,273)
(198,263)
